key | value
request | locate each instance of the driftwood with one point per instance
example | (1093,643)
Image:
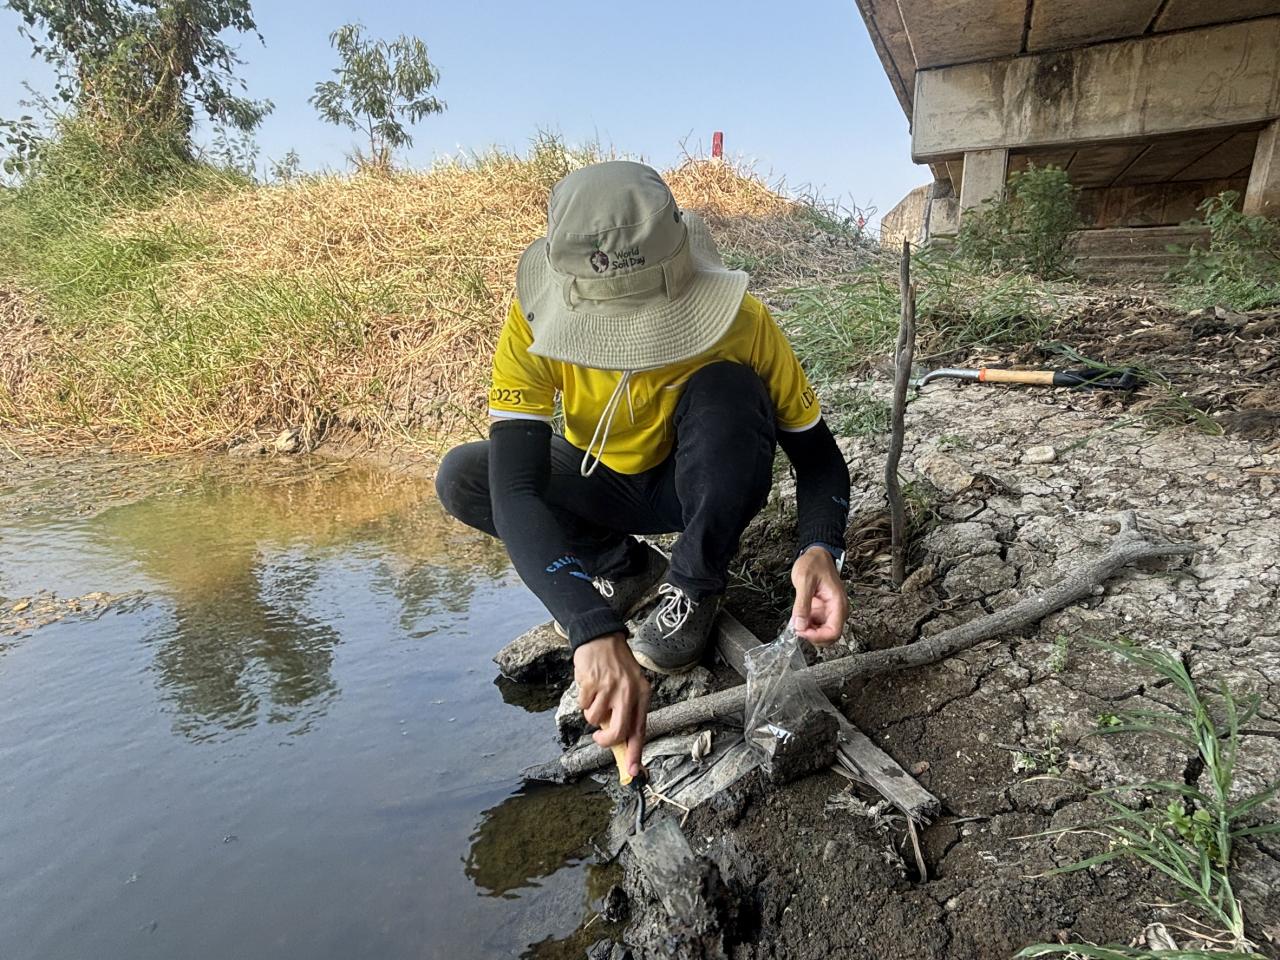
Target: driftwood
(1128,546)
(901,376)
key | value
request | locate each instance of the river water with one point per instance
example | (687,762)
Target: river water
(249,711)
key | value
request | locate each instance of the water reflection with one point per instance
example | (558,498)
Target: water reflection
(232,648)
(529,697)
(532,834)
(246,568)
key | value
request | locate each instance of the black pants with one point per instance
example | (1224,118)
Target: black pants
(715,480)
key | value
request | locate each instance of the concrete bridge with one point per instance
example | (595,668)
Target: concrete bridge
(1150,105)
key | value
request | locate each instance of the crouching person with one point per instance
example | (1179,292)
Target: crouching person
(675,386)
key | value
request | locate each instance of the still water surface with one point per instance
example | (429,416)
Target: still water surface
(283,738)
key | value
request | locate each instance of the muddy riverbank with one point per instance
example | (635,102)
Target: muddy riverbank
(1009,489)
(1017,488)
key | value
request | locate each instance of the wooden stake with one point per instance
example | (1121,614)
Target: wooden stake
(901,376)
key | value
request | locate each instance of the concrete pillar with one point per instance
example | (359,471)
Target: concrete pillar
(1263,196)
(984,177)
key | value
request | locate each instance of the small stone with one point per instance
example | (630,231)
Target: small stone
(539,655)
(289,441)
(944,472)
(830,852)
(918,579)
(250,448)
(616,905)
(20,606)
(1039,455)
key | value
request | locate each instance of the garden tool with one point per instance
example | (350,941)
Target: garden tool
(637,784)
(662,853)
(1098,379)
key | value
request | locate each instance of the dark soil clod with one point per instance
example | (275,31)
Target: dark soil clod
(810,747)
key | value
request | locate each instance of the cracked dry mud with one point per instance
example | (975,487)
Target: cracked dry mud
(977,728)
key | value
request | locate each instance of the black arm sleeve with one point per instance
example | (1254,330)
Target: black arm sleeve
(519,471)
(822,485)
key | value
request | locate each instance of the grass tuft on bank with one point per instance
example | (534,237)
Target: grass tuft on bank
(195,308)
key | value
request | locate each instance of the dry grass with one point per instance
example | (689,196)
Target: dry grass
(366,303)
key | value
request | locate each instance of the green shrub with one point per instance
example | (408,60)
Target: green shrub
(1030,229)
(836,327)
(1241,266)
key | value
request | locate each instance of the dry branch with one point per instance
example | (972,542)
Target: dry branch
(901,375)
(1129,546)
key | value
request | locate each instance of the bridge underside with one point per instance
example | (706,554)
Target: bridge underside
(1150,105)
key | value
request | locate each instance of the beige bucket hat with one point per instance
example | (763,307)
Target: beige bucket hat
(624,279)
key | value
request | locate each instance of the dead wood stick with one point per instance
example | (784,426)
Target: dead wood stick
(901,375)
(1129,546)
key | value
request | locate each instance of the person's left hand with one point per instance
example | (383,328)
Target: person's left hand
(822,605)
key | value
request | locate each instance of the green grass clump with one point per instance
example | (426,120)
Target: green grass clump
(1030,229)
(837,327)
(853,412)
(1240,268)
(1187,835)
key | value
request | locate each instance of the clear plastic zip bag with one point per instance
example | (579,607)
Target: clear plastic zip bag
(782,703)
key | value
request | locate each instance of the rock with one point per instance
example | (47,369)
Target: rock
(918,579)
(289,441)
(600,950)
(570,723)
(681,687)
(539,655)
(944,472)
(249,448)
(615,906)
(1044,454)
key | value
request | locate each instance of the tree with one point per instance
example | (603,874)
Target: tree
(137,67)
(380,87)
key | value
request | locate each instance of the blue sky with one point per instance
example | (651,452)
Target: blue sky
(797,89)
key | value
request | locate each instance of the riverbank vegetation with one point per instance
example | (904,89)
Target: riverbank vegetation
(160,302)
(190,308)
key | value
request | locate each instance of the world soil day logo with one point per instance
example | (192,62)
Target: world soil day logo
(602,262)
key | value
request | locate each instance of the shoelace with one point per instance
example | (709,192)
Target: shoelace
(674,610)
(603,587)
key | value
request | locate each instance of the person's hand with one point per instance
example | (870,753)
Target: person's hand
(613,694)
(822,605)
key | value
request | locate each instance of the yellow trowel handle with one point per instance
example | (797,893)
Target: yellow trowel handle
(620,758)
(1042,378)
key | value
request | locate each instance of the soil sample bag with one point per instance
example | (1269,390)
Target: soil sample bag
(790,725)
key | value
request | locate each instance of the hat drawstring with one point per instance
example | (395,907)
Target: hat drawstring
(589,460)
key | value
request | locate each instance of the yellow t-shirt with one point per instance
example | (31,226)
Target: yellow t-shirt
(525,386)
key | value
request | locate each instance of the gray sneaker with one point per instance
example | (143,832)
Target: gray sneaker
(674,636)
(626,594)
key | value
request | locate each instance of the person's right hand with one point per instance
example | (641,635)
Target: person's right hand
(613,694)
